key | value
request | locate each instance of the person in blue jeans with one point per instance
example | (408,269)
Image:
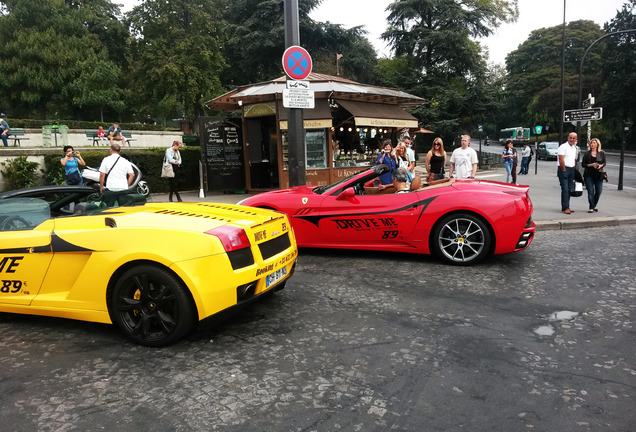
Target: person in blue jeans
(566,162)
(508,156)
(525,158)
(4,132)
(593,163)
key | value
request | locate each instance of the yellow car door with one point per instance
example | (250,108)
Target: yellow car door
(25,255)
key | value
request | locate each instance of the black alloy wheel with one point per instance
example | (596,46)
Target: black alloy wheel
(461,239)
(152,306)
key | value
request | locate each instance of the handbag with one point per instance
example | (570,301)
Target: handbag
(576,188)
(73,178)
(166,169)
(441,174)
(604,175)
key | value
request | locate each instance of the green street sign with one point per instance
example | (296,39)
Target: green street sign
(537,130)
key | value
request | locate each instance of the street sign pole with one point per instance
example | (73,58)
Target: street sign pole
(295,131)
(627,127)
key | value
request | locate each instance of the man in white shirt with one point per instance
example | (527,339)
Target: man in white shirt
(463,161)
(566,163)
(115,174)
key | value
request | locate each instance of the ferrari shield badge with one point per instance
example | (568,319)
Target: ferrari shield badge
(305,199)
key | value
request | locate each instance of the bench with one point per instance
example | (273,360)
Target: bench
(92,136)
(16,135)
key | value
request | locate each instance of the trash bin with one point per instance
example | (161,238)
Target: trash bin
(54,135)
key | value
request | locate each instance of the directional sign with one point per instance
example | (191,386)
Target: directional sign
(297,62)
(587,103)
(583,114)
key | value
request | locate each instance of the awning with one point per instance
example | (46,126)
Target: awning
(316,118)
(378,115)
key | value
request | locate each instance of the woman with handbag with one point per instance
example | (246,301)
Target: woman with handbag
(71,162)
(173,157)
(593,163)
(436,161)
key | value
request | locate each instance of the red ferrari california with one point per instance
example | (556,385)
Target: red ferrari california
(460,221)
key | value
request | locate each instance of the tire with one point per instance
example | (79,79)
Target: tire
(143,188)
(461,239)
(151,306)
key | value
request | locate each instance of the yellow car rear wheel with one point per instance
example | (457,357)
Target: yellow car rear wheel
(152,306)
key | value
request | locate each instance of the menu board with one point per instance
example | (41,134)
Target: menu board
(222,153)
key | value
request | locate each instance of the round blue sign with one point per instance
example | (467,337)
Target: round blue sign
(297,62)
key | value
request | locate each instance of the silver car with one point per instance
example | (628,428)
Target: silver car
(548,150)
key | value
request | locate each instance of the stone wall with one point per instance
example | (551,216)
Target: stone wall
(35,150)
(77,139)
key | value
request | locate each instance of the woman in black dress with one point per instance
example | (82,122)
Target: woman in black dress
(436,161)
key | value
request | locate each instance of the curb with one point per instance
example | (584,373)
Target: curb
(547,225)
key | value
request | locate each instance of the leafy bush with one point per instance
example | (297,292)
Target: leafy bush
(19,173)
(148,161)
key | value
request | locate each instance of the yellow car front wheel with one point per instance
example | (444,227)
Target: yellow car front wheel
(152,306)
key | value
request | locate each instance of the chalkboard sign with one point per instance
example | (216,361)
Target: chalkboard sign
(222,153)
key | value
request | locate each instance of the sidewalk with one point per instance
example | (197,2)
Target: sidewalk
(615,208)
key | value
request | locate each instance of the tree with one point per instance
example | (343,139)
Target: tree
(47,56)
(534,72)
(256,43)
(176,55)
(619,69)
(444,64)
(435,35)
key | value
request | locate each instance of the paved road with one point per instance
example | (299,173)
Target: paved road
(361,342)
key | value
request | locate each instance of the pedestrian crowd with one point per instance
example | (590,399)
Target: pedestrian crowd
(464,162)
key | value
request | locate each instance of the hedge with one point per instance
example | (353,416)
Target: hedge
(148,161)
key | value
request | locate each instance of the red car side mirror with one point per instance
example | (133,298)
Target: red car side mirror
(346,194)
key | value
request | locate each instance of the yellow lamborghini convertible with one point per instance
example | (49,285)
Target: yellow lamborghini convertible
(154,269)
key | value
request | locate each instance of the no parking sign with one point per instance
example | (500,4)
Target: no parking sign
(297,62)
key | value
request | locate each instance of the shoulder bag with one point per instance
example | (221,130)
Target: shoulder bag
(111,168)
(73,178)
(166,169)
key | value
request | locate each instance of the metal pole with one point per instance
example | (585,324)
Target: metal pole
(562,78)
(295,131)
(626,129)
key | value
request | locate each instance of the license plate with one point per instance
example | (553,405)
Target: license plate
(276,276)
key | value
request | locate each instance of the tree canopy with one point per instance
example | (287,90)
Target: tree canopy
(84,59)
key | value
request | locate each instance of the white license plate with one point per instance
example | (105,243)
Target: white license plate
(276,276)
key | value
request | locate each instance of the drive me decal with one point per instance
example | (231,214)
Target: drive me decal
(388,226)
(366,219)
(10,265)
(366,224)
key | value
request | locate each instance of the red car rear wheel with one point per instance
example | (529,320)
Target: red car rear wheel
(461,239)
